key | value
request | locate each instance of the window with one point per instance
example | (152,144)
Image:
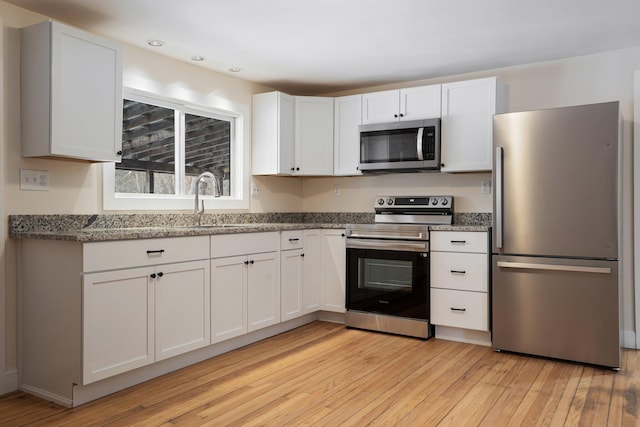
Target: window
(165,146)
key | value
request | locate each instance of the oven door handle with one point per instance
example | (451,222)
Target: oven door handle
(387,245)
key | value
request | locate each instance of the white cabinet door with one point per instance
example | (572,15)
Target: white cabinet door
(263,290)
(333,270)
(272,134)
(182,307)
(467,125)
(380,107)
(228,298)
(291,283)
(418,103)
(313,135)
(346,139)
(72,89)
(312,271)
(118,322)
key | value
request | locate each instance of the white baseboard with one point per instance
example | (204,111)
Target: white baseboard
(10,381)
(463,335)
(629,339)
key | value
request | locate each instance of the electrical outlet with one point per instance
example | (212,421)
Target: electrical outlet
(485,187)
(255,190)
(336,190)
(31,180)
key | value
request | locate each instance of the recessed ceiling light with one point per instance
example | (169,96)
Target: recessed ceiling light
(155,43)
(235,69)
(197,58)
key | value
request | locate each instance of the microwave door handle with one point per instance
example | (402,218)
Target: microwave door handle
(419,144)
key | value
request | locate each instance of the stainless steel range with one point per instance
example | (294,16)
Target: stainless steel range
(388,265)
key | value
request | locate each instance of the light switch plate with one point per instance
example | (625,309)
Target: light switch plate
(485,187)
(32,180)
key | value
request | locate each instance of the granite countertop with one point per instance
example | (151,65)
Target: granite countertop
(92,228)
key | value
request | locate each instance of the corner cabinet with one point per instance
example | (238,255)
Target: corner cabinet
(467,125)
(416,103)
(71,88)
(292,135)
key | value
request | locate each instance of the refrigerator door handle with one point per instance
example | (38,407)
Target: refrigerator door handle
(573,268)
(498,185)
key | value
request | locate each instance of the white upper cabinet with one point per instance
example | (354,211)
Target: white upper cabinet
(272,134)
(467,125)
(292,135)
(313,135)
(71,84)
(416,103)
(346,139)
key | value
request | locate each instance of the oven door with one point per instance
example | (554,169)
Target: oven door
(388,277)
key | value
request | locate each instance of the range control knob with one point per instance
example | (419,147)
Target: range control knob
(381,201)
(445,202)
(389,201)
(434,201)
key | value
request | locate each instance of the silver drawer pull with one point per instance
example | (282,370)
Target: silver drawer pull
(458,272)
(458,309)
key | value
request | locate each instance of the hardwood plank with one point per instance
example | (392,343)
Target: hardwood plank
(326,374)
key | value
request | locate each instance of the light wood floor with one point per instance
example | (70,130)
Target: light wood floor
(325,374)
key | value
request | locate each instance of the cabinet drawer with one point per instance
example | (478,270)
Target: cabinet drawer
(460,309)
(98,256)
(243,244)
(462,271)
(459,241)
(291,239)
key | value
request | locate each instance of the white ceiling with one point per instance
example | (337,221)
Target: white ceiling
(322,46)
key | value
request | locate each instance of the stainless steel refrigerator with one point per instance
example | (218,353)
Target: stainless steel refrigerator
(555,261)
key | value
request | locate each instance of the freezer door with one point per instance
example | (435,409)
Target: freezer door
(555,181)
(561,308)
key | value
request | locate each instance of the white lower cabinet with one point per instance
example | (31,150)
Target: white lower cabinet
(460,279)
(245,283)
(118,330)
(133,317)
(333,271)
(300,273)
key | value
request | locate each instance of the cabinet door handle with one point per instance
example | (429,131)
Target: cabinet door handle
(302,255)
(153,275)
(458,272)
(157,251)
(458,242)
(294,240)
(119,153)
(246,262)
(160,274)
(458,309)
(251,262)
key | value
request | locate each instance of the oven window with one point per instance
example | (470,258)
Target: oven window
(385,275)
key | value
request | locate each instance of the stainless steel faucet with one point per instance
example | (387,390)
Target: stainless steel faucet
(199,210)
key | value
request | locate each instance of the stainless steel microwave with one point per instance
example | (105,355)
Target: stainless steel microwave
(400,146)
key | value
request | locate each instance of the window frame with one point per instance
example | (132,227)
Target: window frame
(238,154)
